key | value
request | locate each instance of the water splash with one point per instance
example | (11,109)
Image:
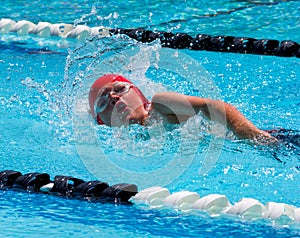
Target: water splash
(93,18)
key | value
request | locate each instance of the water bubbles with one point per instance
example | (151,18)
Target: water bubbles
(150,17)
(174,28)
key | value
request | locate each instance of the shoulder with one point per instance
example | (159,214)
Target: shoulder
(163,101)
(162,96)
(172,98)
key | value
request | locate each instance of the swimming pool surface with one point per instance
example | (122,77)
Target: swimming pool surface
(45,126)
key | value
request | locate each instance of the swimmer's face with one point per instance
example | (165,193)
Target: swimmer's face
(119,104)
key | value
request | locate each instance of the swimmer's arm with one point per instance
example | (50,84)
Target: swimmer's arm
(169,103)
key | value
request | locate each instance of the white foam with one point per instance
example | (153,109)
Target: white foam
(46,188)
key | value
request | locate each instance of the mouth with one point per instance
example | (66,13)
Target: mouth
(121,107)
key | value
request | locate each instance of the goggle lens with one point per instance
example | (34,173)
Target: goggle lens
(118,88)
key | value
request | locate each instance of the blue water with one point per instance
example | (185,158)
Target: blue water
(40,92)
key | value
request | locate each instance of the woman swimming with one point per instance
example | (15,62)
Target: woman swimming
(116,101)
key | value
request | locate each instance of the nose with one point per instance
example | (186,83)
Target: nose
(113,98)
(112,94)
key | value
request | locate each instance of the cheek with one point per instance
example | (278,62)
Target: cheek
(133,100)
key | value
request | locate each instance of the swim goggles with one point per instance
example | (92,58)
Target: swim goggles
(118,88)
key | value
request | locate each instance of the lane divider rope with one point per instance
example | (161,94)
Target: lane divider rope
(46,29)
(245,45)
(217,205)
(155,197)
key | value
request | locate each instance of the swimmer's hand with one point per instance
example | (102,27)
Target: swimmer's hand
(245,129)
(264,138)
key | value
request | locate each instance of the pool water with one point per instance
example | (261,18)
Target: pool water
(44,86)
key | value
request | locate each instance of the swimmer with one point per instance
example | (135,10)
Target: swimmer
(116,101)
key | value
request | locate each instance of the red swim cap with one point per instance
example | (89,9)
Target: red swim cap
(99,84)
